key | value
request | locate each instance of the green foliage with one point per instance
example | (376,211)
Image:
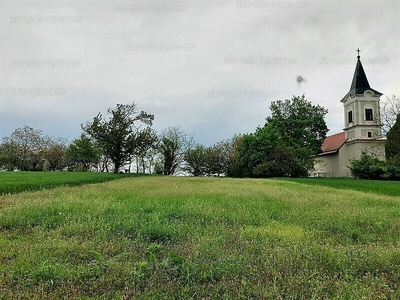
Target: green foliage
(196,160)
(173,146)
(158,168)
(172,156)
(392,145)
(368,167)
(54,154)
(155,237)
(22,150)
(82,154)
(286,144)
(117,137)
(216,160)
(300,124)
(28,149)
(146,142)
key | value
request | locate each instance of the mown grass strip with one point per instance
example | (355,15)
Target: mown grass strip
(17,182)
(390,188)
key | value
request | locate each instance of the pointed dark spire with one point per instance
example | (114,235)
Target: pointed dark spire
(360,82)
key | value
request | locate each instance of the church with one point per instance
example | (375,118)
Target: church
(362,130)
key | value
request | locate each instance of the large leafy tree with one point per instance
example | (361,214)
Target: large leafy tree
(299,123)
(286,144)
(116,136)
(82,154)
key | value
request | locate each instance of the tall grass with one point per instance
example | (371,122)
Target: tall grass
(199,238)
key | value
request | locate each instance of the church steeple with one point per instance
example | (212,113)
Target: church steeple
(360,82)
(361,107)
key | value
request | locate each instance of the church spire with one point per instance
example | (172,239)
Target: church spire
(360,82)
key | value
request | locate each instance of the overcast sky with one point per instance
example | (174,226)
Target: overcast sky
(211,67)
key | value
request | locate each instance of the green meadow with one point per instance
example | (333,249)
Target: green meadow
(156,237)
(16,182)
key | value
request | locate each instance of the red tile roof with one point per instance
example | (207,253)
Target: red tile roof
(333,143)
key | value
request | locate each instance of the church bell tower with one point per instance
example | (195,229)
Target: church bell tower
(361,107)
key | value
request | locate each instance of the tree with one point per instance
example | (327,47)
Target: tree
(173,146)
(54,154)
(390,109)
(264,154)
(196,160)
(299,123)
(231,160)
(146,142)
(213,160)
(392,146)
(22,150)
(82,154)
(116,136)
(286,144)
(8,160)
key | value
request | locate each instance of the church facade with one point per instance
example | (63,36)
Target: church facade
(362,130)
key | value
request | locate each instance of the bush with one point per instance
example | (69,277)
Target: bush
(368,167)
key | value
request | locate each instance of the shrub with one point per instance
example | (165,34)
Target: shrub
(368,167)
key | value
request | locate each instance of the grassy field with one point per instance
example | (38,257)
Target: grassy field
(16,182)
(391,188)
(200,238)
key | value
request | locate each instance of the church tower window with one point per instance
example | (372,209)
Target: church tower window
(369,114)
(350,116)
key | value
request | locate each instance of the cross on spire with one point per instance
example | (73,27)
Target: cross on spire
(358,51)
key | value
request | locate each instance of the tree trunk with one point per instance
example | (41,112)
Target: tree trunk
(143,165)
(116,167)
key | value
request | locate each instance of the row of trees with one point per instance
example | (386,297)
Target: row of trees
(125,139)
(28,149)
(284,146)
(216,160)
